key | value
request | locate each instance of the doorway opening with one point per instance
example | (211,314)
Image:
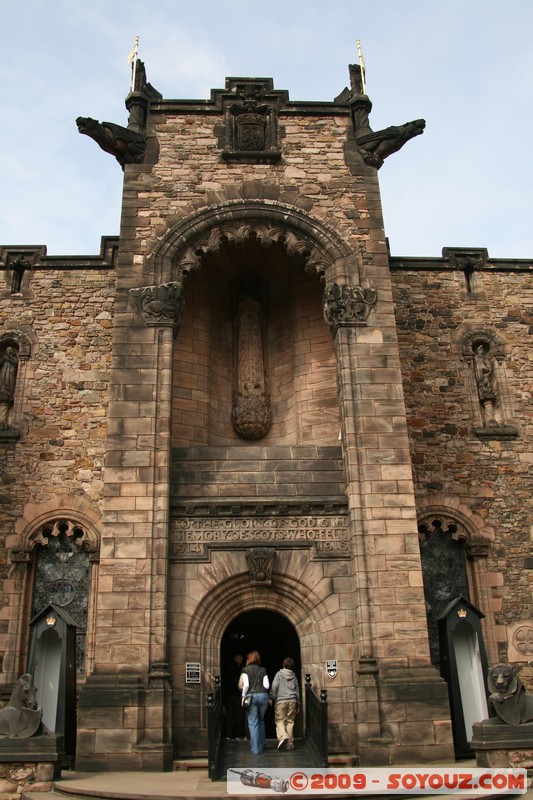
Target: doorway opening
(275,639)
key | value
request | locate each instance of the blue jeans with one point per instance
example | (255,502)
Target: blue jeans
(256,722)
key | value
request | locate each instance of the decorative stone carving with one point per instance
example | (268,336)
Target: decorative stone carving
(484,352)
(484,370)
(376,146)
(251,124)
(521,640)
(323,529)
(8,375)
(508,701)
(21,718)
(347,305)
(251,413)
(126,145)
(61,574)
(260,563)
(160,306)
(442,554)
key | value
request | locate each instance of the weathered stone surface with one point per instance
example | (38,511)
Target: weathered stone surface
(127,427)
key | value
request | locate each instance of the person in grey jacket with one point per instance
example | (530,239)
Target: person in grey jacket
(285,693)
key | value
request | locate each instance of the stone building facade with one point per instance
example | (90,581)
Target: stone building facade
(246,425)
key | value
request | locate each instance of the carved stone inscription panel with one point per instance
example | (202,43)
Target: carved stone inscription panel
(193,537)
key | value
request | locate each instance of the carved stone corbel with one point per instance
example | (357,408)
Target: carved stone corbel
(260,563)
(159,306)
(347,305)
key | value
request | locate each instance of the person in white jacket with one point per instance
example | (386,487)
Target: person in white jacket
(255,683)
(285,693)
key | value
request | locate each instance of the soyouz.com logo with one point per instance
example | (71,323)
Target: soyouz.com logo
(383,780)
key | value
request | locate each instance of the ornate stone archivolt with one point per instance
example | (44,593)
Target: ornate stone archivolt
(347,305)
(266,234)
(159,306)
(270,222)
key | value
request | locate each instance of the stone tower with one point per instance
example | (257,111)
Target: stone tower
(204,434)
(257,460)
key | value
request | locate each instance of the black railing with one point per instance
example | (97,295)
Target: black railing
(316,722)
(215,731)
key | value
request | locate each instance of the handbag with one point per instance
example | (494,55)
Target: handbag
(247,700)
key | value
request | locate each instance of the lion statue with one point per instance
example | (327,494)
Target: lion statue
(21,718)
(508,701)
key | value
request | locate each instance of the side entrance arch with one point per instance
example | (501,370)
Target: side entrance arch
(274,637)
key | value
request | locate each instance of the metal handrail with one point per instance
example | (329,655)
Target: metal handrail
(215,730)
(316,722)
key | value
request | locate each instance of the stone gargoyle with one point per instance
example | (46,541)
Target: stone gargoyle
(21,718)
(374,146)
(126,145)
(508,701)
(377,145)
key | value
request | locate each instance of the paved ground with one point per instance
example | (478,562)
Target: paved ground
(195,785)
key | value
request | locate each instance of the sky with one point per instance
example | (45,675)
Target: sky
(465,66)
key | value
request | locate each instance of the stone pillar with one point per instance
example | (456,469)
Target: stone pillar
(125,706)
(402,702)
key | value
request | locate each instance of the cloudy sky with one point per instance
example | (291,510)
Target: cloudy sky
(466,66)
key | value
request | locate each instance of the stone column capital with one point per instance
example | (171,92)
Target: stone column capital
(161,305)
(347,306)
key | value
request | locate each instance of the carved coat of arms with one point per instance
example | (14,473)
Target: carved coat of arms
(250,129)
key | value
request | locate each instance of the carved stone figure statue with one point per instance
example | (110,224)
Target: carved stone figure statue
(21,718)
(508,701)
(8,374)
(484,371)
(483,366)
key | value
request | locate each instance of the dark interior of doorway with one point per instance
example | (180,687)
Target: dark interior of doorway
(273,636)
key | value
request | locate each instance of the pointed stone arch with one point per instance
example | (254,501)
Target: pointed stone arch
(181,250)
(458,521)
(35,515)
(63,518)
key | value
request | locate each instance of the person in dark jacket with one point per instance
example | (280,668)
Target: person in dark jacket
(285,693)
(234,712)
(255,682)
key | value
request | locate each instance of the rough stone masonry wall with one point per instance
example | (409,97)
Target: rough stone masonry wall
(62,391)
(493,478)
(190,174)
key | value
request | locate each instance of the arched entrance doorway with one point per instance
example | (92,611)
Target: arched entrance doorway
(273,636)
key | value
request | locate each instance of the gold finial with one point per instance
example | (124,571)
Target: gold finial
(132,59)
(362,65)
